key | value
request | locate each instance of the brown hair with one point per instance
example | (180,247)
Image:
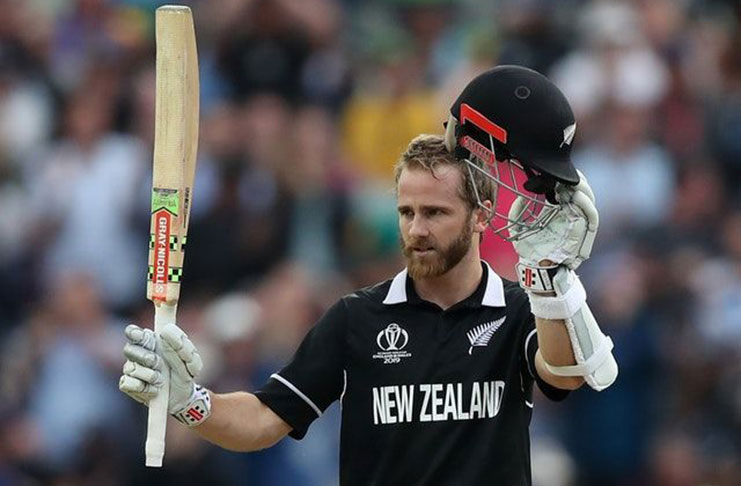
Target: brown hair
(427,152)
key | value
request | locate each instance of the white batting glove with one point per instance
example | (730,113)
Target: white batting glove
(566,240)
(150,356)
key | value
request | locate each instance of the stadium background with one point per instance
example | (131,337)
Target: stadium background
(305,106)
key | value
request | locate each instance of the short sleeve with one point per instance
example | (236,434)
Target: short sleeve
(300,392)
(529,348)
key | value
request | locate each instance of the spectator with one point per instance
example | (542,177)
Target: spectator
(633,176)
(83,191)
(84,346)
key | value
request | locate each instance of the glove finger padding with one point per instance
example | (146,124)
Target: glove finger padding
(137,389)
(519,205)
(147,375)
(582,201)
(178,342)
(584,186)
(142,356)
(140,336)
(587,208)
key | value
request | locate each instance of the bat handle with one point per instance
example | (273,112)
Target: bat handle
(154,448)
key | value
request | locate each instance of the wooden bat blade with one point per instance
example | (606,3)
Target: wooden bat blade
(175,150)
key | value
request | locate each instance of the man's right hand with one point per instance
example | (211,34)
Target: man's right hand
(149,357)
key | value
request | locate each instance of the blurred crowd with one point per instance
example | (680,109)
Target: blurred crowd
(305,106)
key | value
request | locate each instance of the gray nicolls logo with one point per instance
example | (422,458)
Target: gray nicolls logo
(479,336)
(392,340)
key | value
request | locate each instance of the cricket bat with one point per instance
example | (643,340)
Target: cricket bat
(175,148)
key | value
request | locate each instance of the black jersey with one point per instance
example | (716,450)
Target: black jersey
(429,396)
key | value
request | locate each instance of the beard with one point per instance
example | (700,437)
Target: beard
(439,260)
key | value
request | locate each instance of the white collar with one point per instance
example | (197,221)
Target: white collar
(493,295)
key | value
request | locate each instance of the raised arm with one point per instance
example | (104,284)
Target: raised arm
(572,347)
(554,349)
(236,421)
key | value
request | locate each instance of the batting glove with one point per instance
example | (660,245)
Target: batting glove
(149,357)
(566,240)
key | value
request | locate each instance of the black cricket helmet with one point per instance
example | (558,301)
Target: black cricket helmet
(513,125)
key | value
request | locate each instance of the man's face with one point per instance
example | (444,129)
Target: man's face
(436,225)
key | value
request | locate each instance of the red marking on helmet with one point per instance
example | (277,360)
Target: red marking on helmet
(468,113)
(477,149)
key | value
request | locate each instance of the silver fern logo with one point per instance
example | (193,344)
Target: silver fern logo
(479,336)
(568,135)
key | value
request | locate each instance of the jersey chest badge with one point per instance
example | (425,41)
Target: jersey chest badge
(480,335)
(391,342)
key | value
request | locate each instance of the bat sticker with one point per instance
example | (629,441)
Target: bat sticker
(165,205)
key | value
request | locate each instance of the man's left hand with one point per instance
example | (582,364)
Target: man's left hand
(568,237)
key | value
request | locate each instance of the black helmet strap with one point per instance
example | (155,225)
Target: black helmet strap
(541,184)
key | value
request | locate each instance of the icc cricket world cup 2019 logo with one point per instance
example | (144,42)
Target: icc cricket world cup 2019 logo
(392,340)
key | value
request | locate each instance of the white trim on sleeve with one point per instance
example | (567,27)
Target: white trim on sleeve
(344,387)
(297,392)
(527,341)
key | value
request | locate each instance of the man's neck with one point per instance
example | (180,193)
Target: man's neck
(455,285)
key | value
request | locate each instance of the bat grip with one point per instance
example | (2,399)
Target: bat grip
(164,314)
